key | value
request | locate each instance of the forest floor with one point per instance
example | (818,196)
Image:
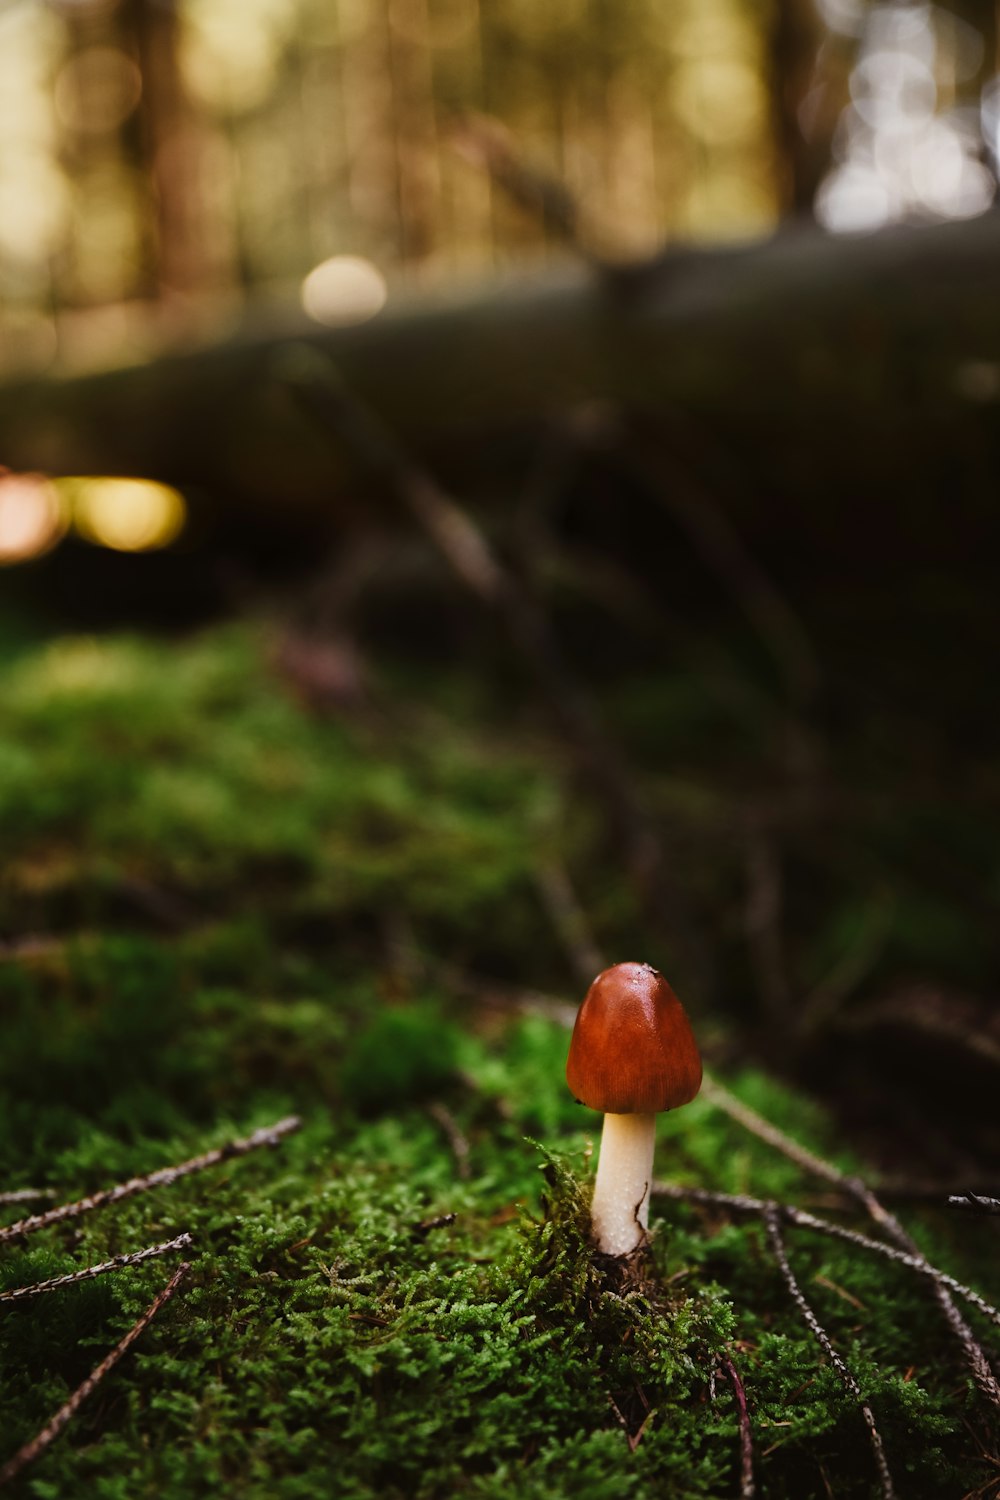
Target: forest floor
(242,883)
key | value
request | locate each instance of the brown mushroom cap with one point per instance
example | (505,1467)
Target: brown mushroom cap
(633,1051)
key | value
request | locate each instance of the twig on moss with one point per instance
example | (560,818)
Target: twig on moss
(740,1203)
(117,1263)
(457,1141)
(25,1195)
(772,1222)
(717,1094)
(974,1203)
(747,1486)
(632,1438)
(268,1135)
(440,1221)
(975,1356)
(33,1449)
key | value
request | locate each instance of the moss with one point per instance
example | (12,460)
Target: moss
(239,912)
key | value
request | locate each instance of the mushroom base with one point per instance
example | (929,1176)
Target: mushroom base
(620,1210)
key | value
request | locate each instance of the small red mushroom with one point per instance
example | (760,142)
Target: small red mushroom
(632,1055)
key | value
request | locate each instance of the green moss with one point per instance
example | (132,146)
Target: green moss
(243,912)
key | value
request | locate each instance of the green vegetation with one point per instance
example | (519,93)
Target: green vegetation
(238,911)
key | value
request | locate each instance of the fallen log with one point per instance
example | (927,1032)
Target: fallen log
(815,360)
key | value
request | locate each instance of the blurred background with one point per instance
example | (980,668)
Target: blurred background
(683,316)
(172,160)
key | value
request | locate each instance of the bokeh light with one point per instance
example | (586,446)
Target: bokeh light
(32,516)
(232,49)
(345,289)
(97,90)
(904,150)
(127,515)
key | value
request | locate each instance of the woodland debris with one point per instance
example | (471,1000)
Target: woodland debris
(772,1222)
(974,1203)
(33,1449)
(268,1135)
(117,1263)
(978,1363)
(747,1486)
(739,1203)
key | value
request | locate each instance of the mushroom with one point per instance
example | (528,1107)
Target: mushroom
(632,1054)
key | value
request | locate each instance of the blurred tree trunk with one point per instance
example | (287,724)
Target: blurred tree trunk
(170,150)
(804,105)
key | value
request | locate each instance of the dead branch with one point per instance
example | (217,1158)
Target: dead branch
(717,1094)
(974,1203)
(772,1221)
(457,1140)
(117,1263)
(747,1487)
(632,1438)
(32,1450)
(740,1203)
(978,1363)
(268,1135)
(440,1221)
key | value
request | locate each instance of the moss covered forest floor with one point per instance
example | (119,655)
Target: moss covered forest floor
(221,907)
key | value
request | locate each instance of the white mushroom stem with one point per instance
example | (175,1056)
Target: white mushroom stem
(620,1210)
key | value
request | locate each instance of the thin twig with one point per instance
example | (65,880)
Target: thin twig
(772,1221)
(65,1414)
(25,1195)
(747,1487)
(978,1363)
(740,1203)
(717,1094)
(974,1203)
(268,1135)
(118,1263)
(439,1221)
(458,1142)
(632,1438)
